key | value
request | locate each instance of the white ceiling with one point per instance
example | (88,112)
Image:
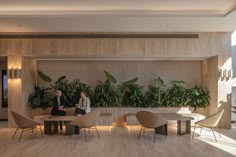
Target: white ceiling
(116,4)
(117,15)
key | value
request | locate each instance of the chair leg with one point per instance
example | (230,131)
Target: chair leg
(74,131)
(214,134)
(71,135)
(140,132)
(219,133)
(154,136)
(61,123)
(97,131)
(41,130)
(85,135)
(165,129)
(32,130)
(143,130)
(194,130)
(15,133)
(21,135)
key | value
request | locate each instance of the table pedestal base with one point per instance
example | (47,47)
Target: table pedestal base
(183,127)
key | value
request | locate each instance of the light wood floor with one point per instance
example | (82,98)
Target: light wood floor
(118,142)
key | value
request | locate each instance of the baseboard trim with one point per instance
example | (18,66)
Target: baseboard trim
(1,120)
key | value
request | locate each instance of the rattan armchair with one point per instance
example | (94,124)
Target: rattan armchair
(210,122)
(25,124)
(87,121)
(151,120)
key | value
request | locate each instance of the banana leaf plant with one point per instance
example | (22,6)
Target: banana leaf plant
(61,83)
(197,97)
(40,98)
(71,90)
(57,84)
(130,93)
(104,95)
(112,93)
(113,84)
(155,96)
(74,89)
(176,94)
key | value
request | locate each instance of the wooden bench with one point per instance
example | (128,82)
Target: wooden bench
(105,119)
(131,119)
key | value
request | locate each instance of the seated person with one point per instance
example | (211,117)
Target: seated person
(59,105)
(84,104)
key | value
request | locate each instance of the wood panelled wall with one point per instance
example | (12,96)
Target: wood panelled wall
(207,45)
(91,71)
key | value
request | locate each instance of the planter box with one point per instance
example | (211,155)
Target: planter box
(119,114)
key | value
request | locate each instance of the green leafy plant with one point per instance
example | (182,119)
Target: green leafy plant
(130,93)
(104,95)
(74,89)
(113,83)
(71,90)
(59,83)
(111,93)
(176,94)
(40,98)
(197,97)
(156,94)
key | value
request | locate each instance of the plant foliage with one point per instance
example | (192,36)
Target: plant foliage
(130,93)
(104,95)
(71,90)
(176,94)
(40,98)
(197,97)
(111,93)
(156,94)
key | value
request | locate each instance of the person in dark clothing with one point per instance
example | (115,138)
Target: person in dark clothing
(58,108)
(59,105)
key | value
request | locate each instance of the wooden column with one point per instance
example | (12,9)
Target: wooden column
(14,89)
(20,88)
(210,83)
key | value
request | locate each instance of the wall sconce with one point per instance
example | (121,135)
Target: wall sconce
(230,73)
(224,73)
(14,73)
(220,73)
